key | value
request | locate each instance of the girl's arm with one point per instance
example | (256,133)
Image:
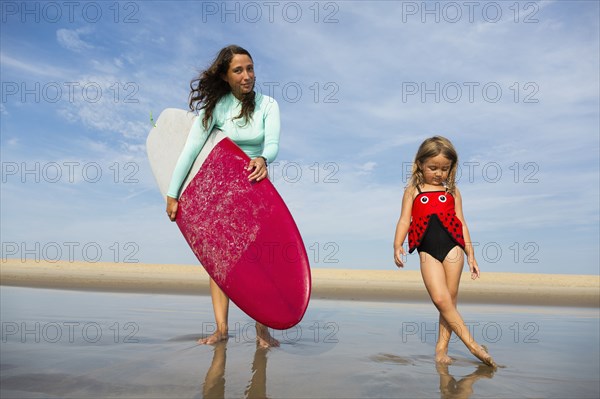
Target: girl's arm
(403,225)
(469,250)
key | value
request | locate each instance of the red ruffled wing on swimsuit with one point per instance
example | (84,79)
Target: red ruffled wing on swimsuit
(438,203)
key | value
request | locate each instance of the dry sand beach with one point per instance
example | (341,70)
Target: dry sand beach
(364,285)
(87,330)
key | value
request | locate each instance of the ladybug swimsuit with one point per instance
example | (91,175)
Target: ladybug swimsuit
(434,226)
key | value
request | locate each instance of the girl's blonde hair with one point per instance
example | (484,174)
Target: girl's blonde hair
(433,147)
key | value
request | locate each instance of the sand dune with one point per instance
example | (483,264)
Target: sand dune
(378,285)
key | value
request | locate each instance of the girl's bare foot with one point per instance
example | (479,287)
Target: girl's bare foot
(214,338)
(481,353)
(264,338)
(441,356)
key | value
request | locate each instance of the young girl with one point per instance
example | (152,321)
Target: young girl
(224,94)
(432,217)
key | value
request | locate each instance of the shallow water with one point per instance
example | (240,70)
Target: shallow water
(84,344)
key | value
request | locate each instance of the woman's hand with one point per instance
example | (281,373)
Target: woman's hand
(398,253)
(172,205)
(260,169)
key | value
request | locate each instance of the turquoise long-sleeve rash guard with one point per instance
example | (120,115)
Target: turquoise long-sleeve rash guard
(258,136)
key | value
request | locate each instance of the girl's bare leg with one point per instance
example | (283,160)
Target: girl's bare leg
(441,347)
(454,261)
(434,277)
(220,303)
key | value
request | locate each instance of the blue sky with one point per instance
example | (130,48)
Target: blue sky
(360,84)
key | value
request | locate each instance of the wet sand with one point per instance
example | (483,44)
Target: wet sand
(77,330)
(365,285)
(78,344)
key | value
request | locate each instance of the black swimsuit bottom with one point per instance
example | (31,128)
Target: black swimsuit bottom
(436,241)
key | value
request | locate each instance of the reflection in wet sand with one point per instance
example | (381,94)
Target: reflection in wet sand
(257,388)
(462,389)
(214,382)
(450,388)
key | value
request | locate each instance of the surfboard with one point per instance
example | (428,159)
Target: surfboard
(242,232)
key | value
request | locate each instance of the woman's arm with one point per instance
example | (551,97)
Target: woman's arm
(272,129)
(195,141)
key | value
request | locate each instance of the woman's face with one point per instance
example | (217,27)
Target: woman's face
(240,75)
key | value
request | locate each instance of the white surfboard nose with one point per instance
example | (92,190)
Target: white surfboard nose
(165,143)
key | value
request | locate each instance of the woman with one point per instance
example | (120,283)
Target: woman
(225,98)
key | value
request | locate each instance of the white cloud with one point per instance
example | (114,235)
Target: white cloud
(38,69)
(366,168)
(71,39)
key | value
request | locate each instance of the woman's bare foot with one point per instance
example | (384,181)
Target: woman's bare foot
(481,353)
(217,336)
(441,356)
(264,338)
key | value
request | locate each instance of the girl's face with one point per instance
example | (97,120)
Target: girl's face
(436,170)
(240,75)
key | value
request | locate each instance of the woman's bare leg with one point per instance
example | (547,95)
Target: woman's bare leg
(220,303)
(264,338)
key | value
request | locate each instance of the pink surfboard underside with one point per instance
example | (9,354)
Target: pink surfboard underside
(246,238)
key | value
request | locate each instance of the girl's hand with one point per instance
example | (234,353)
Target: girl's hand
(473,267)
(260,169)
(172,205)
(398,252)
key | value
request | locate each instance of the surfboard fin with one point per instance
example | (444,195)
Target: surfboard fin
(152,120)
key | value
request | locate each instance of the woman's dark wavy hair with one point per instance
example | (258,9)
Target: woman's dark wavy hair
(209,87)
